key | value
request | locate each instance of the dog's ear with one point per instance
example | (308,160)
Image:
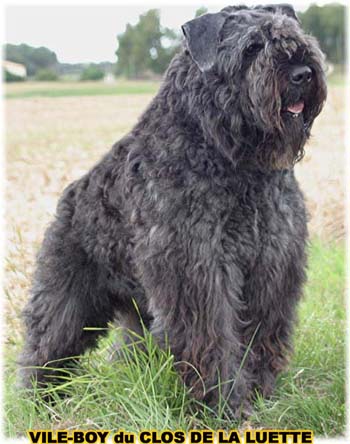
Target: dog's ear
(202,38)
(283,8)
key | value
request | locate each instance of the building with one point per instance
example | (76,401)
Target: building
(16,69)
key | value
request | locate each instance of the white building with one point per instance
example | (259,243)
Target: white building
(17,69)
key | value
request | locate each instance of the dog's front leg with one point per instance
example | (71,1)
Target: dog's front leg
(193,287)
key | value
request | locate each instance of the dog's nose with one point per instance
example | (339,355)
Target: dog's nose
(300,74)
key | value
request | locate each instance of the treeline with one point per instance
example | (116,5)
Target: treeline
(38,61)
(34,59)
(146,48)
(42,64)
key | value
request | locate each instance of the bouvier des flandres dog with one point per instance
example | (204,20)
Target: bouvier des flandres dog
(195,216)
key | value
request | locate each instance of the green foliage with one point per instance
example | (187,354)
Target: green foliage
(327,24)
(200,11)
(32,58)
(141,390)
(46,75)
(92,72)
(9,77)
(145,47)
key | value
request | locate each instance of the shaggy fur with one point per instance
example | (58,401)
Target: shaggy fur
(195,214)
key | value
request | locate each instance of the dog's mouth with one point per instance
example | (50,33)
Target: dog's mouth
(295,109)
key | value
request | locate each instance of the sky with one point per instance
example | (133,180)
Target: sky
(87,33)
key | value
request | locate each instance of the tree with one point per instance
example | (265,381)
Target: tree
(327,24)
(46,75)
(145,46)
(92,72)
(32,58)
(200,11)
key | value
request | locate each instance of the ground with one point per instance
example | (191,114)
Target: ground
(54,134)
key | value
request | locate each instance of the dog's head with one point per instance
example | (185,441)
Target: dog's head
(266,77)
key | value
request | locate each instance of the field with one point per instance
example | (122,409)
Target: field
(55,133)
(69,89)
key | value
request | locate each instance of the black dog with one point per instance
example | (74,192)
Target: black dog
(195,214)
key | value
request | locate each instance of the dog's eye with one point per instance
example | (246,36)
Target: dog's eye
(254,48)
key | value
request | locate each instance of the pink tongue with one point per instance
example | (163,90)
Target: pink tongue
(297,108)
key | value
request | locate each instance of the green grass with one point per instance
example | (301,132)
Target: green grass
(143,390)
(73,89)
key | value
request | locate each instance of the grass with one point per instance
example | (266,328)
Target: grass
(143,390)
(74,89)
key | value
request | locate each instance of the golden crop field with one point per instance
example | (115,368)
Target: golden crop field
(51,141)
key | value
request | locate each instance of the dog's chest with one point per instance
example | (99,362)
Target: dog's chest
(273,210)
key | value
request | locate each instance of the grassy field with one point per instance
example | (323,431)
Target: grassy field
(51,141)
(73,89)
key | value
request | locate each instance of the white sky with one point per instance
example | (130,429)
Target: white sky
(86,32)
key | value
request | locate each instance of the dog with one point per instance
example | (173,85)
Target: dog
(193,225)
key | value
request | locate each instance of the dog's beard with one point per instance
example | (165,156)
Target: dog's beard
(282,149)
(292,140)
(282,143)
